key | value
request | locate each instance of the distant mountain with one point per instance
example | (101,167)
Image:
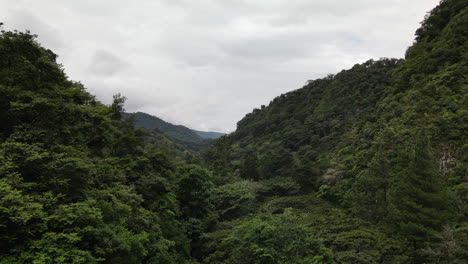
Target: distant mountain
(208,135)
(192,139)
(178,132)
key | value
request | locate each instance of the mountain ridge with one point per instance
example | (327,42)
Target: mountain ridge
(194,139)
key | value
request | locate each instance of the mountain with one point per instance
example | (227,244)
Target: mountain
(78,184)
(208,135)
(365,166)
(374,104)
(384,141)
(178,132)
(192,139)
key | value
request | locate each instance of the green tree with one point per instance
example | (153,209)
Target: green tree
(235,199)
(271,239)
(249,167)
(195,194)
(419,203)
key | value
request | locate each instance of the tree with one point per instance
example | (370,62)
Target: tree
(197,211)
(235,199)
(419,203)
(249,166)
(274,239)
(117,106)
(217,156)
(369,191)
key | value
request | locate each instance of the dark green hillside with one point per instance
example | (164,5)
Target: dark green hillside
(384,141)
(296,133)
(209,135)
(150,122)
(78,185)
(320,112)
(189,139)
(313,119)
(332,120)
(410,168)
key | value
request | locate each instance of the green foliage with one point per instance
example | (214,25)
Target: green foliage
(77,184)
(319,113)
(279,186)
(236,199)
(217,157)
(355,137)
(418,202)
(451,246)
(249,168)
(181,136)
(195,193)
(401,184)
(350,239)
(274,239)
(80,184)
(22,216)
(57,248)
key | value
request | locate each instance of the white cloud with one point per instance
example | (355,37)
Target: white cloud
(106,64)
(207,63)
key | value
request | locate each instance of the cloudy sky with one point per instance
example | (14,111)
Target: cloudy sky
(207,63)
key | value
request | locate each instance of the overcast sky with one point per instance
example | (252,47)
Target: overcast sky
(206,63)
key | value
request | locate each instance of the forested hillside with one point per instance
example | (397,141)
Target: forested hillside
(150,122)
(209,134)
(177,137)
(77,184)
(384,141)
(364,166)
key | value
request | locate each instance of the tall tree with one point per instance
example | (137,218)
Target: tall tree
(249,168)
(419,203)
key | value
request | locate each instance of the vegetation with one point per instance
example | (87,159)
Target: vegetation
(384,141)
(182,137)
(365,166)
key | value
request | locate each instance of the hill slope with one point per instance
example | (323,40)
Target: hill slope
(209,135)
(356,107)
(178,132)
(192,139)
(385,141)
(78,184)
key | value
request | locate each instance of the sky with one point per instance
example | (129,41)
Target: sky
(205,64)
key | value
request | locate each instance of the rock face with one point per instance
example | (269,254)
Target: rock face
(447,161)
(331,175)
